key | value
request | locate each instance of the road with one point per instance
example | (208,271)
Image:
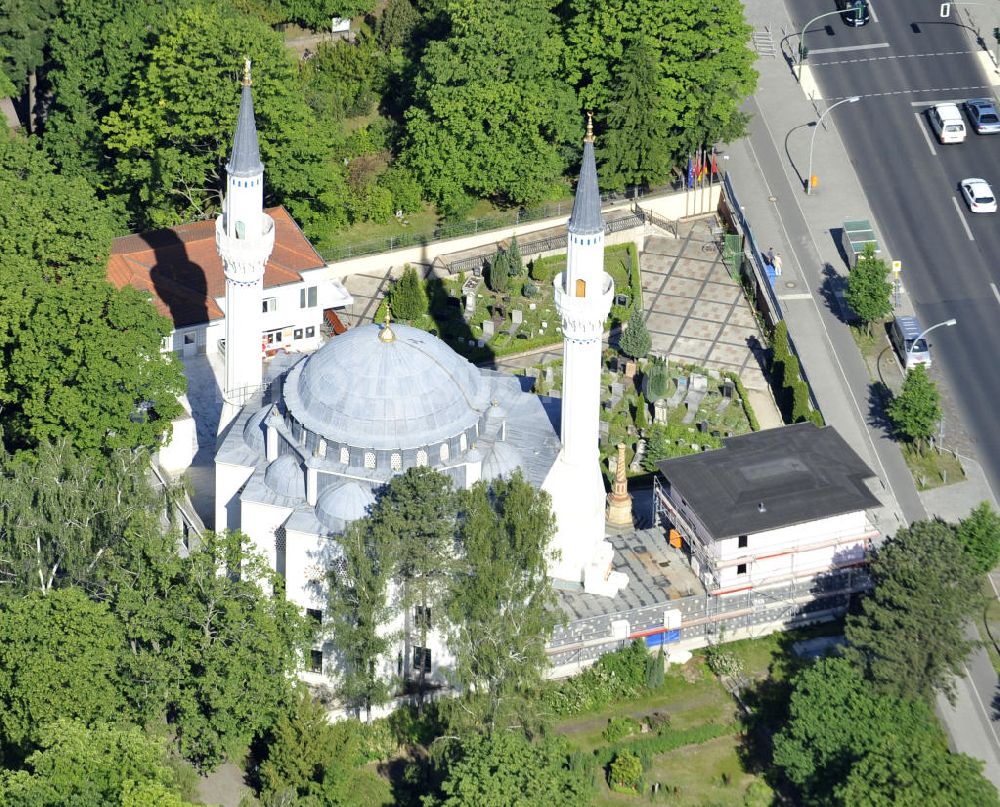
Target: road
(907,60)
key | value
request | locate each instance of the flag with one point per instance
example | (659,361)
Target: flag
(703,170)
(697,166)
(715,165)
(690,174)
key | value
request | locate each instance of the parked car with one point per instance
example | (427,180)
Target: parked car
(983,115)
(912,351)
(978,195)
(854,12)
(947,123)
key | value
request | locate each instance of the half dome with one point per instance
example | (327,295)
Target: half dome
(502,461)
(407,392)
(344,503)
(253,431)
(285,477)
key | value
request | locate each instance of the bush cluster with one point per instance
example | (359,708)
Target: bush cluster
(614,676)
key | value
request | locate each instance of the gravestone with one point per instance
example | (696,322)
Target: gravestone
(703,427)
(470,304)
(612,463)
(605,430)
(714,374)
(480,343)
(728,388)
(640,452)
(630,369)
(660,411)
(488,329)
(617,390)
(517,316)
(550,375)
(532,306)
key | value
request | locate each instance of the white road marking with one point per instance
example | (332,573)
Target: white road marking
(938,101)
(885,58)
(961,218)
(802,296)
(996,293)
(909,92)
(846,48)
(871,8)
(979,700)
(923,130)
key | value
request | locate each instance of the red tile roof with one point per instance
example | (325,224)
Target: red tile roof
(180,267)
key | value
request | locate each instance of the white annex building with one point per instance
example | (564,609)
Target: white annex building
(309,451)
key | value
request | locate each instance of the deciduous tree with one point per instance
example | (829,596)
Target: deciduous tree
(909,637)
(915,412)
(501,606)
(979,535)
(869,292)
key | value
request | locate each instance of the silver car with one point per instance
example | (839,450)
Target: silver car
(983,116)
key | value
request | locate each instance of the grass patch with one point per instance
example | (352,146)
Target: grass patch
(931,469)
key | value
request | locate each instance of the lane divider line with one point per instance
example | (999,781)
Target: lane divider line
(961,218)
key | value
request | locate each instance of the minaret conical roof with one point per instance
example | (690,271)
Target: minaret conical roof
(244,160)
(586,218)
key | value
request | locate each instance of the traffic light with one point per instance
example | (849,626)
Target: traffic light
(996,34)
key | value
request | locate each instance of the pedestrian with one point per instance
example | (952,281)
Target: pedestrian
(770,255)
(776,263)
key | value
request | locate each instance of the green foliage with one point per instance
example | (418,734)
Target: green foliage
(403,185)
(869,292)
(24,27)
(800,402)
(501,605)
(396,24)
(408,299)
(86,378)
(665,440)
(531,290)
(910,634)
(60,657)
(979,535)
(635,340)
(915,412)
(664,742)
(106,764)
(498,276)
(340,79)
(641,413)
(7,88)
(625,774)
(358,609)
(619,727)
(705,67)
(758,794)
(614,676)
(656,383)
(745,401)
(515,263)
(846,744)
(316,14)
(779,346)
(504,768)
(167,153)
(490,116)
(636,147)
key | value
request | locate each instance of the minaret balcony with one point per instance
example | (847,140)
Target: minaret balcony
(584,310)
(244,258)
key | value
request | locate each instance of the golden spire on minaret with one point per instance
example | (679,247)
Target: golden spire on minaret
(246,72)
(386,334)
(589,138)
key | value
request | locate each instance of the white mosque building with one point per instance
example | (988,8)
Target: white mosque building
(306,454)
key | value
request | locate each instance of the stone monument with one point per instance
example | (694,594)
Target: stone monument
(619,510)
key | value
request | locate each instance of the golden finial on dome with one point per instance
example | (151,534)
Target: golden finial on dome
(589,138)
(386,334)
(246,72)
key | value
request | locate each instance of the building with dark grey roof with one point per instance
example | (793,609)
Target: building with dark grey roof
(769,506)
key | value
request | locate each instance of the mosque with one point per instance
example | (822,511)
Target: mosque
(300,457)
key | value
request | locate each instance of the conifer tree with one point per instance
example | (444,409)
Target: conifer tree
(635,340)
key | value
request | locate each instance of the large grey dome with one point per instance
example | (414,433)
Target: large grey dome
(376,393)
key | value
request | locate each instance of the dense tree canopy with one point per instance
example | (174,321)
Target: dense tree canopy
(916,410)
(24,25)
(491,117)
(910,634)
(979,535)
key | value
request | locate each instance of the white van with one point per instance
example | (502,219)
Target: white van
(947,123)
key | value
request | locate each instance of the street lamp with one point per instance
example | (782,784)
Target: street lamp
(812,142)
(946,324)
(802,37)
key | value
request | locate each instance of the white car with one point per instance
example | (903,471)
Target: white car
(978,195)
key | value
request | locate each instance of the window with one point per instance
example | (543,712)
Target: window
(741,569)
(345,455)
(297,333)
(307,297)
(316,661)
(165,343)
(321,447)
(270,304)
(463,443)
(422,616)
(581,288)
(396,461)
(369,459)
(274,336)
(421,458)
(310,332)
(421,658)
(189,339)
(241,230)
(742,542)
(315,614)
(444,452)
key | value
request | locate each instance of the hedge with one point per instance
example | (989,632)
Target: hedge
(666,741)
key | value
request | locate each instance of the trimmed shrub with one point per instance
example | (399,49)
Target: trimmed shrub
(625,774)
(531,289)
(619,727)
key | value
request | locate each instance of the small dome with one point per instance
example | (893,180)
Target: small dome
(347,502)
(502,461)
(284,476)
(253,431)
(362,390)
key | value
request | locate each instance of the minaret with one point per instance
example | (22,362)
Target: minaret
(583,295)
(244,236)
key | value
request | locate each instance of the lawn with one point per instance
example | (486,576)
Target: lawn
(930,468)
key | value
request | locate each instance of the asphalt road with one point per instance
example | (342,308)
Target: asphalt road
(900,65)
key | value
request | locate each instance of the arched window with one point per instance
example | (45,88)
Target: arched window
(345,455)
(369,459)
(421,458)
(444,452)
(396,461)
(581,288)
(321,447)
(241,230)
(463,443)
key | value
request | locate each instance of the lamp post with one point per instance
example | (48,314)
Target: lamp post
(946,324)
(802,36)
(812,141)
